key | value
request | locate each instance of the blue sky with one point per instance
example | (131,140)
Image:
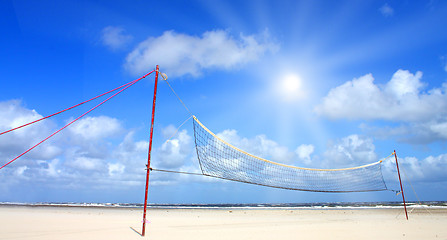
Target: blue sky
(319,84)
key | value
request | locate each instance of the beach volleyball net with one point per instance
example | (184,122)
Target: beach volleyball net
(220,159)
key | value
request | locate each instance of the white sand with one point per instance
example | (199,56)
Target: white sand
(111,223)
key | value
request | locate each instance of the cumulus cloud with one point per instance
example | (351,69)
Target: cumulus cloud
(130,157)
(413,133)
(82,155)
(129,147)
(86,163)
(116,168)
(174,152)
(94,128)
(182,54)
(402,99)
(353,150)
(304,151)
(122,166)
(49,168)
(90,154)
(115,37)
(386,10)
(428,169)
(14,114)
(260,146)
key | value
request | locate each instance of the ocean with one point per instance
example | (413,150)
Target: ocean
(253,206)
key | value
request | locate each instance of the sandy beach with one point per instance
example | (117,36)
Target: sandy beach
(22,222)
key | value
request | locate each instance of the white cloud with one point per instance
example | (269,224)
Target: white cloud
(13,114)
(95,128)
(350,151)
(81,155)
(128,148)
(20,170)
(439,129)
(181,54)
(403,84)
(123,166)
(386,10)
(304,151)
(174,152)
(115,37)
(51,168)
(132,154)
(429,169)
(116,168)
(260,146)
(130,157)
(90,136)
(418,133)
(355,150)
(422,114)
(86,163)
(401,99)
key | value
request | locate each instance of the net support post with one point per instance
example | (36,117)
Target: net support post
(401,188)
(148,166)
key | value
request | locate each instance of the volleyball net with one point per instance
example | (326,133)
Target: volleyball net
(220,159)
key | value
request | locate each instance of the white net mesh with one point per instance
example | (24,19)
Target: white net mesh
(222,160)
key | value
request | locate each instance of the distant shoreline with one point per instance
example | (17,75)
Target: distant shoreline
(255,206)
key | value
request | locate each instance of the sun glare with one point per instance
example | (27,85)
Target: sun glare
(290,87)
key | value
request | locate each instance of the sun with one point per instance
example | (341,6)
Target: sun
(291,84)
(291,87)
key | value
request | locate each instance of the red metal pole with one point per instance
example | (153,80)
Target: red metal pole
(401,188)
(149,153)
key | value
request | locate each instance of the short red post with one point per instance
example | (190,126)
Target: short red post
(401,188)
(148,166)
